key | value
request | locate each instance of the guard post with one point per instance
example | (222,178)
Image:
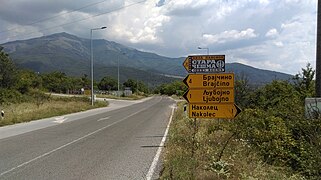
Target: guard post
(2,114)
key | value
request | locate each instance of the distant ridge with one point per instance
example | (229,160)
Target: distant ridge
(255,75)
(71,55)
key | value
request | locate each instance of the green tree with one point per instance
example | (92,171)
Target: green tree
(75,85)
(275,127)
(8,71)
(142,87)
(28,79)
(304,82)
(269,135)
(131,84)
(56,82)
(176,87)
(136,86)
(108,83)
(85,82)
(242,91)
(278,94)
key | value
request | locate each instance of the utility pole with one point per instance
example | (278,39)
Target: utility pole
(318,53)
(118,75)
(92,62)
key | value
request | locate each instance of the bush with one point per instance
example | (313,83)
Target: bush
(10,96)
(307,133)
(38,97)
(175,88)
(295,145)
(216,149)
(276,128)
(268,134)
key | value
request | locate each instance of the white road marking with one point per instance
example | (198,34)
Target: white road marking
(102,119)
(70,143)
(60,120)
(160,148)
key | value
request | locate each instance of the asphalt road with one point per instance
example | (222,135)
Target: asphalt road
(120,143)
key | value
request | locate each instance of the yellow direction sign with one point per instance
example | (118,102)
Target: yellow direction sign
(205,64)
(224,111)
(222,80)
(210,95)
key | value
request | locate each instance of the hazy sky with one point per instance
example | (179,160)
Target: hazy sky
(276,35)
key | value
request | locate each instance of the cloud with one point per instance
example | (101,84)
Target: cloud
(272,33)
(187,7)
(27,11)
(278,43)
(272,65)
(264,2)
(143,28)
(232,35)
(262,33)
(290,25)
(160,3)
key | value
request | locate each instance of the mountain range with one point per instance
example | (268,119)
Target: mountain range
(71,54)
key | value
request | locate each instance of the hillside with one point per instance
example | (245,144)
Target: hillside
(71,54)
(254,75)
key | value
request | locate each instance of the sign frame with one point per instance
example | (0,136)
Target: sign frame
(215,95)
(221,80)
(205,64)
(208,111)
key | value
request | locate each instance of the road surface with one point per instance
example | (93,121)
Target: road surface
(119,143)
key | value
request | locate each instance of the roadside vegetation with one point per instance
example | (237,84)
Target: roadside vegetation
(176,88)
(270,139)
(26,95)
(49,107)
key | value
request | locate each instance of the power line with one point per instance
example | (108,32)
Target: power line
(76,21)
(53,17)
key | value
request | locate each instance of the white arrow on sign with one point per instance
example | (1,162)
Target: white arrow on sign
(60,120)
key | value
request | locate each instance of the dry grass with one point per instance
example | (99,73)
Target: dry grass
(24,112)
(208,150)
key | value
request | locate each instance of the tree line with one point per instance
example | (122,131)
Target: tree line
(18,84)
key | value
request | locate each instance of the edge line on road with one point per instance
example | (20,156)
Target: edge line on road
(70,143)
(159,150)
